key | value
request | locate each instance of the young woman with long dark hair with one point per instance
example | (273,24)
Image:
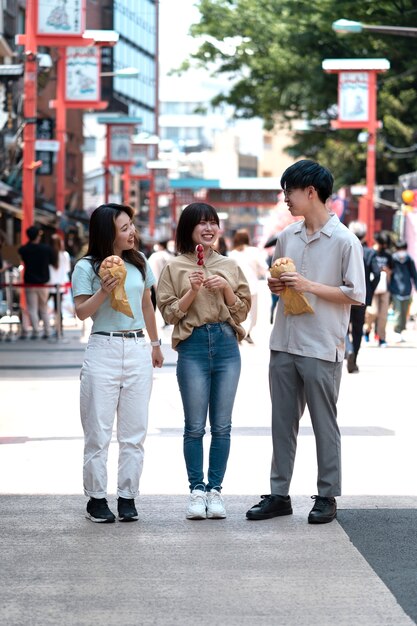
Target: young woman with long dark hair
(206,302)
(116,375)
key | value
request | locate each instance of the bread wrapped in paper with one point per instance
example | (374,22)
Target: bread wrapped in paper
(295,302)
(118,299)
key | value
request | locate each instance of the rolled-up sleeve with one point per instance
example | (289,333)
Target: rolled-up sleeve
(240,309)
(166,298)
(354,286)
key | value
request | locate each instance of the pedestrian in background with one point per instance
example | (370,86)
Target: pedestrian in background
(207,304)
(254,266)
(116,375)
(307,350)
(4,266)
(157,261)
(274,297)
(357,313)
(377,314)
(59,272)
(37,257)
(403,277)
(221,246)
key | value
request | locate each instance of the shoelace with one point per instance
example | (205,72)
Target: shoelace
(197,496)
(215,497)
(264,500)
(320,502)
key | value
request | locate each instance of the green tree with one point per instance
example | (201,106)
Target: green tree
(272,51)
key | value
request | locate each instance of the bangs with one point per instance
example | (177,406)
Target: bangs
(208,213)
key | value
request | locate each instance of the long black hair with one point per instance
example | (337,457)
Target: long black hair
(189,218)
(102,233)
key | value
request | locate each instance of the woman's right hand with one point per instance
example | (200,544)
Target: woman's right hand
(196,280)
(108,283)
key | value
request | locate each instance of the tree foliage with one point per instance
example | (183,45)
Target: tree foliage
(272,53)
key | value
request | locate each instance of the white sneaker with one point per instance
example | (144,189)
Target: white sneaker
(215,505)
(197,505)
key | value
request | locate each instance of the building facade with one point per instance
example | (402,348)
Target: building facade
(137,26)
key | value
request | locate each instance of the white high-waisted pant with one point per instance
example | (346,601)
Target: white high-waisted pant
(116,377)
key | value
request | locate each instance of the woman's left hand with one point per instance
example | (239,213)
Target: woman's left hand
(215,282)
(157,356)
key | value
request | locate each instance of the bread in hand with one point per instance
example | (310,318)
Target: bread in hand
(115,266)
(295,302)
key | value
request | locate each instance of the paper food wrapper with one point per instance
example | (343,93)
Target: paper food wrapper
(295,302)
(118,298)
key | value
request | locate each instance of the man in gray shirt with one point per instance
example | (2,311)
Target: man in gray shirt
(307,350)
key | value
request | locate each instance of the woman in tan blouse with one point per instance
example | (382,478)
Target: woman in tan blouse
(206,303)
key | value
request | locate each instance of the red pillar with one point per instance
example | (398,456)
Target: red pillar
(30,114)
(371,159)
(107,176)
(173,214)
(152,202)
(126,184)
(61,130)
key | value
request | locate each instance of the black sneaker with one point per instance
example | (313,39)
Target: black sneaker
(127,510)
(270,506)
(323,511)
(98,511)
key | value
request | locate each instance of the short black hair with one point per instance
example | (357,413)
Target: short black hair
(305,173)
(383,238)
(189,218)
(401,244)
(32,232)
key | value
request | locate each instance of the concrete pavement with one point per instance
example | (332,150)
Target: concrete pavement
(58,568)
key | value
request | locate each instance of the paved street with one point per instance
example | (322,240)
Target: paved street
(58,568)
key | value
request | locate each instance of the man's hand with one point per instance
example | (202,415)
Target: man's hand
(296,281)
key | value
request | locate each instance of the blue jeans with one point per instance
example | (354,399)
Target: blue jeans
(208,371)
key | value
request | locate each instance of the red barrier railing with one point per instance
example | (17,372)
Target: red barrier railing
(59,289)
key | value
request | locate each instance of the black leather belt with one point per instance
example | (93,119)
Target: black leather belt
(127,335)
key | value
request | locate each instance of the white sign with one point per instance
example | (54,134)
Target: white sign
(60,17)
(139,159)
(120,138)
(359,190)
(353,97)
(82,76)
(47,145)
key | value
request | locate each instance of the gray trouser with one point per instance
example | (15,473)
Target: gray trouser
(294,382)
(37,305)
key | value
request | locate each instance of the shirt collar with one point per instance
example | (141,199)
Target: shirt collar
(328,229)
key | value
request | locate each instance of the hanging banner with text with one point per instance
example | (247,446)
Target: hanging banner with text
(120,143)
(140,158)
(61,17)
(354,97)
(82,75)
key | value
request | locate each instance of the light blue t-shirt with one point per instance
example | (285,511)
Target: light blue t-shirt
(85,282)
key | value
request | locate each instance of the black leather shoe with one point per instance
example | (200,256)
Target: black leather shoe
(127,510)
(323,511)
(270,506)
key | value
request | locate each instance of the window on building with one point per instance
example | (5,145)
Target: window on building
(90,144)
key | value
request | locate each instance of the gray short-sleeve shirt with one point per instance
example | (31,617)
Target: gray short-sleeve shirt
(333,256)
